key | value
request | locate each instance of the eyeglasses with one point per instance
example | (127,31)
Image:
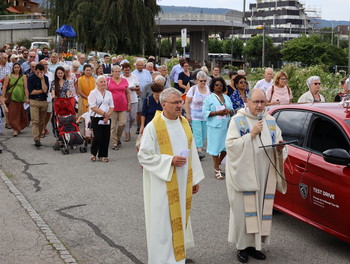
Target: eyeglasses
(218,85)
(25,53)
(243,82)
(284,79)
(317,83)
(259,102)
(175,102)
(202,80)
(32,56)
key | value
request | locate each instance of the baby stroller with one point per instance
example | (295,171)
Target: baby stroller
(65,129)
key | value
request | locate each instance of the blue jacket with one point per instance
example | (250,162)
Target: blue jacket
(209,105)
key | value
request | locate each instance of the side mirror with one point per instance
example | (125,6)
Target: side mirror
(337,156)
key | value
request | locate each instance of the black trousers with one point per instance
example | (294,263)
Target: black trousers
(100,142)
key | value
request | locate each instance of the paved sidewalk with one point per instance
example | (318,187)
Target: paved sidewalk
(21,240)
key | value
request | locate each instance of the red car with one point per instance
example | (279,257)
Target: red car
(317,169)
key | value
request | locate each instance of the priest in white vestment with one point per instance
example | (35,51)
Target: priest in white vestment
(251,179)
(159,170)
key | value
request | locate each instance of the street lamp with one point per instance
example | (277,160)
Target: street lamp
(263,44)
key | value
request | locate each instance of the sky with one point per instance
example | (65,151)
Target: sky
(330,9)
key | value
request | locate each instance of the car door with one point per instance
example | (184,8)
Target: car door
(294,124)
(328,185)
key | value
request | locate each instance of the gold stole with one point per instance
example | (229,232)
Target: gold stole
(172,186)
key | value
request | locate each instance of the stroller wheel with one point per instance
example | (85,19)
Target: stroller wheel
(83,149)
(65,151)
(56,146)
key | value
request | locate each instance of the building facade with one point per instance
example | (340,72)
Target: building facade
(23,6)
(282,20)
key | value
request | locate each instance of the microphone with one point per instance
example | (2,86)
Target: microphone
(260,116)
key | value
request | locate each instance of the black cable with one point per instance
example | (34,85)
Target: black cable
(279,174)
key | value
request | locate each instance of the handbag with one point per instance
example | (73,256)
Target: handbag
(8,95)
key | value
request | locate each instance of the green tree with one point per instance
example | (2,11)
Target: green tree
(179,47)
(116,26)
(3,7)
(233,45)
(312,51)
(254,47)
(214,45)
(165,48)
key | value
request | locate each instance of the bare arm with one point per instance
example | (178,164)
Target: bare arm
(188,108)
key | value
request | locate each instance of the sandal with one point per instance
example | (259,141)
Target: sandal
(104,159)
(92,158)
(8,126)
(218,175)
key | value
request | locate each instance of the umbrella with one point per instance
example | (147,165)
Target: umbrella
(66,31)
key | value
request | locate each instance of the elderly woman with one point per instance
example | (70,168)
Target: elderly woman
(118,86)
(313,95)
(101,105)
(279,92)
(217,110)
(150,105)
(240,95)
(75,69)
(15,87)
(194,110)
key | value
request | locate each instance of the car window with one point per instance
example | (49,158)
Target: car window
(326,134)
(293,124)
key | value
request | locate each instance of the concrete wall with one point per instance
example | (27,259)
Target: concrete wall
(13,35)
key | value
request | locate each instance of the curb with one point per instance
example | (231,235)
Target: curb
(50,236)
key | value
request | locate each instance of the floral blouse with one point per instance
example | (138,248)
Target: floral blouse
(237,101)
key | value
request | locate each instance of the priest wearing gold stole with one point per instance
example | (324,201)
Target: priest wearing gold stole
(171,173)
(251,179)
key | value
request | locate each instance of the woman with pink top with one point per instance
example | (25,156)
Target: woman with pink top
(121,97)
(279,92)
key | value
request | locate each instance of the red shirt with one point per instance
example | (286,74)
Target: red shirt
(118,93)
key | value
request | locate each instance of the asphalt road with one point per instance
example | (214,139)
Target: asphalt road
(96,209)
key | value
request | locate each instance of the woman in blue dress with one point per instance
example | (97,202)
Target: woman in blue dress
(240,95)
(217,110)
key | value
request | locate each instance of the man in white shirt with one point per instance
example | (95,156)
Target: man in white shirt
(144,78)
(133,88)
(267,82)
(176,70)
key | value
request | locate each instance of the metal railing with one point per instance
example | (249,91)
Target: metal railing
(196,17)
(22,17)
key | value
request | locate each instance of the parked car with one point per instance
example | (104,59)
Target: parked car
(100,55)
(317,169)
(40,45)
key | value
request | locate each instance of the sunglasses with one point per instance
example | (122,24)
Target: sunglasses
(317,83)
(202,80)
(243,82)
(218,85)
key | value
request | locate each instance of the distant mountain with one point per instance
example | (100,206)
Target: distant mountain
(322,23)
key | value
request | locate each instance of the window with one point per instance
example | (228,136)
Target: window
(326,134)
(293,124)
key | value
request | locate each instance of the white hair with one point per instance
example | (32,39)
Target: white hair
(160,78)
(201,74)
(311,80)
(139,60)
(167,92)
(241,72)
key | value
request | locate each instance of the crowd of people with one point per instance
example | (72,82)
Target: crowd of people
(180,117)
